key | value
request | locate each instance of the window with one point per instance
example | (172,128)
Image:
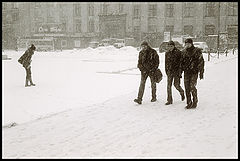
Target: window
(37,15)
(62,13)
(152,28)
(91,10)
(232,35)
(15,5)
(210,9)
(78,25)
(77,43)
(152,10)
(232,30)
(105,8)
(63,26)
(4,5)
(169,10)
(169,28)
(136,29)
(64,43)
(15,16)
(188,9)
(209,30)
(91,26)
(232,8)
(9,18)
(136,11)
(120,8)
(188,30)
(37,5)
(50,17)
(77,10)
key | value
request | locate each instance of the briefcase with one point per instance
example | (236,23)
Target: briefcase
(158,76)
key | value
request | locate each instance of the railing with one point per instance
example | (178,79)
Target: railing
(218,53)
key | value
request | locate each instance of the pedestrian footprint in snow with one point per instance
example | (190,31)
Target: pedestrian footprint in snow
(148,62)
(25,60)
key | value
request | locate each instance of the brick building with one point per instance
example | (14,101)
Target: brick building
(75,24)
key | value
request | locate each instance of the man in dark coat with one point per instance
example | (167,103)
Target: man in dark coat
(25,60)
(148,62)
(173,71)
(192,64)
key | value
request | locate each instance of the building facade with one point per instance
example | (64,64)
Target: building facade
(75,24)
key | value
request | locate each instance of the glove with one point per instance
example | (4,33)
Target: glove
(201,76)
(180,75)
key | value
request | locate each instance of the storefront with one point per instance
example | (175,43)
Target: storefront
(56,32)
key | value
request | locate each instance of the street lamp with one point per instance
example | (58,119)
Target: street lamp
(218,25)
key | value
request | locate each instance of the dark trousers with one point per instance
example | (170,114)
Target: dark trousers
(176,79)
(28,72)
(190,82)
(144,77)
(28,75)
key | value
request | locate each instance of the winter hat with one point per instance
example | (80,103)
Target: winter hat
(171,43)
(144,43)
(33,47)
(189,41)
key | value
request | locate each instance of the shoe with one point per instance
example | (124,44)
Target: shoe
(26,83)
(154,100)
(183,97)
(168,103)
(189,105)
(194,105)
(31,82)
(138,101)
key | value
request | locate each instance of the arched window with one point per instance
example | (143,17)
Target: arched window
(91,10)
(77,9)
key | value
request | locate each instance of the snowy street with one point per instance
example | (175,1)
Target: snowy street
(82,106)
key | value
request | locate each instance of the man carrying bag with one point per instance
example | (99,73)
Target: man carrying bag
(148,63)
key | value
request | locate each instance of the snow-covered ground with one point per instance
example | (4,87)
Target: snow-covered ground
(83,106)
(64,80)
